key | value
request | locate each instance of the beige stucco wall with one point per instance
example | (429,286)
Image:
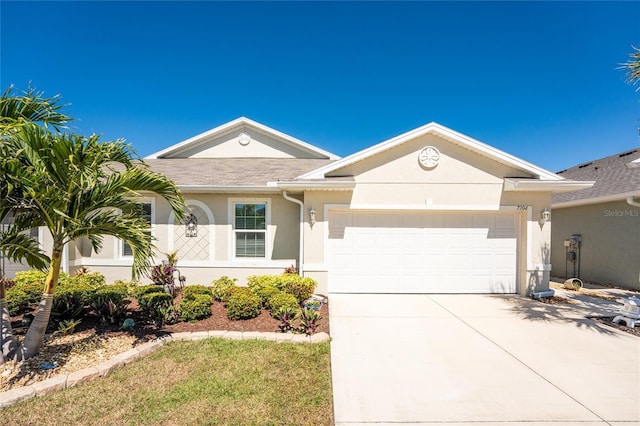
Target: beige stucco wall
(282,241)
(229,146)
(610,251)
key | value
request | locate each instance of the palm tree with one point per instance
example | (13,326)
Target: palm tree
(77,187)
(17,110)
(633,67)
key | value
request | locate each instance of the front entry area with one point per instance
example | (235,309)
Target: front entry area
(422,252)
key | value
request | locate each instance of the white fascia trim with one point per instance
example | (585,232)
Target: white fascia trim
(238,122)
(426,207)
(595,200)
(228,189)
(322,185)
(534,185)
(316,267)
(445,133)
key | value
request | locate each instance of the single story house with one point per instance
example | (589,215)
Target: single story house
(603,220)
(428,211)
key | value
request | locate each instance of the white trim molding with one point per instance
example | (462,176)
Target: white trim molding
(534,185)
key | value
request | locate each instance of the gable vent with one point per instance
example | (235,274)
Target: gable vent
(627,153)
(582,166)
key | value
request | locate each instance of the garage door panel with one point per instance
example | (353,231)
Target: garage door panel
(417,252)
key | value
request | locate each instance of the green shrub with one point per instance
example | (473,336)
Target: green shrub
(301,287)
(18,301)
(222,288)
(151,301)
(196,307)
(243,304)
(264,287)
(283,300)
(70,298)
(309,319)
(147,289)
(286,315)
(110,303)
(131,286)
(192,290)
(27,291)
(93,279)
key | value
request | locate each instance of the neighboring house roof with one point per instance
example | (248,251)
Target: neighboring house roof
(616,178)
(235,125)
(234,172)
(445,133)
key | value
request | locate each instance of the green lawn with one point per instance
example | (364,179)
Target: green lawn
(208,382)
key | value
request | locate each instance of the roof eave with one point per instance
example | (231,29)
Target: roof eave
(595,200)
(554,186)
(321,185)
(229,189)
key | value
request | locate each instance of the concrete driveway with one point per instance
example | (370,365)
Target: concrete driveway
(472,358)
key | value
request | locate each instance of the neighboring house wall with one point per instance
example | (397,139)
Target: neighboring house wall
(610,249)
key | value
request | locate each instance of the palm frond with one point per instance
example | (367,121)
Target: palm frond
(17,246)
(31,106)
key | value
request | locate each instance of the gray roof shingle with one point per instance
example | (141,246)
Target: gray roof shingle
(616,174)
(233,171)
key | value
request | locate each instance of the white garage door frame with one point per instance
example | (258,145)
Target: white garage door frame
(521,234)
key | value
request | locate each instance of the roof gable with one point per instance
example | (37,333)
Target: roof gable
(242,138)
(442,132)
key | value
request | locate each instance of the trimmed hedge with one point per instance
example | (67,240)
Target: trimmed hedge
(243,304)
(301,287)
(148,289)
(222,288)
(195,307)
(151,302)
(192,290)
(283,300)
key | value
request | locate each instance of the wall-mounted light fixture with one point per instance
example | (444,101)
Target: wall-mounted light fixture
(312,216)
(545,216)
(191,225)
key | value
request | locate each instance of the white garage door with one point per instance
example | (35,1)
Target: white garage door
(418,252)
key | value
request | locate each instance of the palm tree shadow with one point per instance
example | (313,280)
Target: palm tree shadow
(567,312)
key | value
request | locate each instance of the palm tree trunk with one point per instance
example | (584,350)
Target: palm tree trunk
(8,342)
(35,335)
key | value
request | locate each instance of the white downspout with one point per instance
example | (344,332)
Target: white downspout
(301,204)
(632,202)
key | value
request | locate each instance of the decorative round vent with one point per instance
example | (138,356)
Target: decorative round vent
(429,157)
(244,139)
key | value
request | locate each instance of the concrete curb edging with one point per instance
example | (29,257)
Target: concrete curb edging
(63,381)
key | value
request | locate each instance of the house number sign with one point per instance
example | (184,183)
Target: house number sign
(429,157)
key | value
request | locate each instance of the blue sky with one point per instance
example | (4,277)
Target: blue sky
(538,80)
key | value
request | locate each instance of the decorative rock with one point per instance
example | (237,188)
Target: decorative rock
(82,376)
(55,383)
(12,396)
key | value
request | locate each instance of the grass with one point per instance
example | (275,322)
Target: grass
(208,382)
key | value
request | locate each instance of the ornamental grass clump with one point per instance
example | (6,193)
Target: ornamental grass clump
(243,304)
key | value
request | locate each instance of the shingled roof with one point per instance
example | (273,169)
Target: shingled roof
(233,171)
(615,175)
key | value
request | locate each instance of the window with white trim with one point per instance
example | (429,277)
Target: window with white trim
(250,229)
(147,211)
